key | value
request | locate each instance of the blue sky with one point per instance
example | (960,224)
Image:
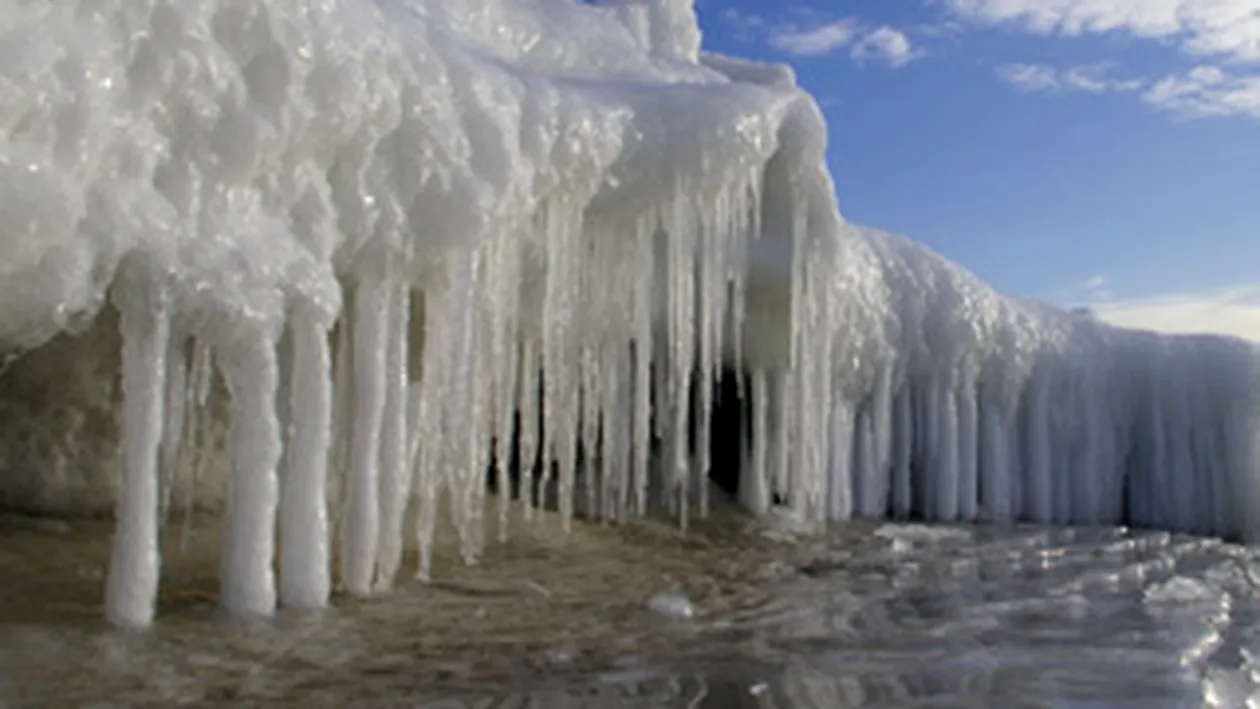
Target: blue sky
(1104,152)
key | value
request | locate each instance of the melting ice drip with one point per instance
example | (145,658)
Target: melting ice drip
(406,234)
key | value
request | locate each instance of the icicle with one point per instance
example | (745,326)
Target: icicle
(820,343)
(562,228)
(504,337)
(131,588)
(304,528)
(591,400)
(199,426)
(681,268)
(459,435)
(343,415)
(644,347)
(840,475)
(529,408)
(968,455)
(284,405)
(781,442)
(614,434)
(756,484)
(715,234)
(248,582)
(395,480)
(746,215)
(1061,473)
(870,484)
(1038,495)
(995,462)
(946,472)
(428,447)
(922,483)
(1182,482)
(169,451)
(903,452)
(480,423)
(1089,465)
(882,431)
(362,502)
(1214,447)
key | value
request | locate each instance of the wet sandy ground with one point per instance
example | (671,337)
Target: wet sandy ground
(872,615)
(541,610)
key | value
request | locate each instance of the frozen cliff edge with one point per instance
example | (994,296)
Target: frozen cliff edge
(391,239)
(1010,409)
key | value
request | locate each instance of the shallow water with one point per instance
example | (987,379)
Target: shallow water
(872,616)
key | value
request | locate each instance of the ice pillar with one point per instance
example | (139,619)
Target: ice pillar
(132,584)
(304,563)
(359,543)
(248,579)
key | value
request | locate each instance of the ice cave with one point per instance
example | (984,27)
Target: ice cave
(322,265)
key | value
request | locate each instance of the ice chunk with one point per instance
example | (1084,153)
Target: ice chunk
(672,605)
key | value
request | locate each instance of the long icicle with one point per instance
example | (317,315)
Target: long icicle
(132,584)
(395,480)
(362,504)
(248,580)
(199,433)
(305,574)
(173,431)
(427,447)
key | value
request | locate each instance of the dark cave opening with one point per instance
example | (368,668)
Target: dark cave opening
(729,439)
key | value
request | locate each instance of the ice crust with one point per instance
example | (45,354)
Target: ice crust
(384,222)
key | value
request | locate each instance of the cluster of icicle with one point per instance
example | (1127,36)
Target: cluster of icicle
(407,234)
(948,402)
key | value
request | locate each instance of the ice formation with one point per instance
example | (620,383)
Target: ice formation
(407,233)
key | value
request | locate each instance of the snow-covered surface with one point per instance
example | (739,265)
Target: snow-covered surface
(570,189)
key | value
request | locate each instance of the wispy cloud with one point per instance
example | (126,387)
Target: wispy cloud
(812,35)
(1207,91)
(1093,79)
(1094,289)
(1228,29)
(1223,32)
(813,40)
(1231,311)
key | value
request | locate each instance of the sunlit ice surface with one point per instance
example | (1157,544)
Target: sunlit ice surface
(869,615)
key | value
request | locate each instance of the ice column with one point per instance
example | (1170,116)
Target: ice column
(250,369)
(172,445)
(395,482)
(131,588)
(362,523)
(304,564)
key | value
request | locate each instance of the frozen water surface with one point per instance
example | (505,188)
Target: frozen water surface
(964,617)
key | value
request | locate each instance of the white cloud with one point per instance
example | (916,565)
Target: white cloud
(1207,91)
(813,36)
(1091,79)
(813,40)
(886,44)
(1229,29)
(1232,311)
(1091,290)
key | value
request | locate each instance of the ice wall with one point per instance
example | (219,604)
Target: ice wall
(397,232)
(955,403)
